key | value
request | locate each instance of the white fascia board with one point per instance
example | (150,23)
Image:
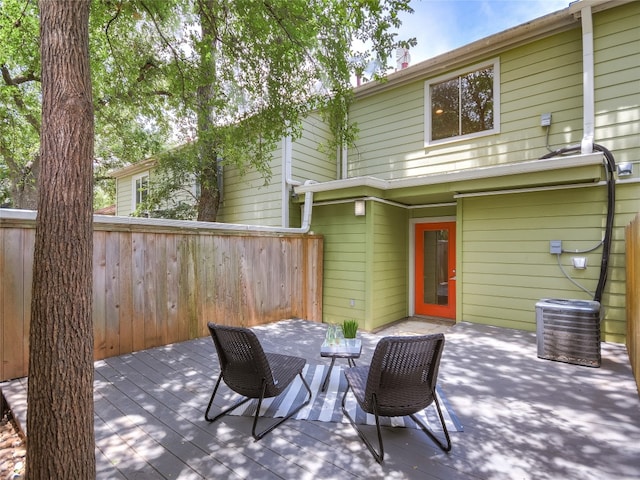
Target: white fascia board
(133,169)
(538,28)
(531,166)
(344,183)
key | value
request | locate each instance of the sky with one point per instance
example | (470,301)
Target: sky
(444,25)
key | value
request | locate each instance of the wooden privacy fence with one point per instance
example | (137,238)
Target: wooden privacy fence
(632,245)
(159,282)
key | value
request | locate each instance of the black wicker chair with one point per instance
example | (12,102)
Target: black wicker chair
(401,380)
(248,370)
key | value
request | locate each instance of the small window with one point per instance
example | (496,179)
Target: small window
(464,105)
(140,189)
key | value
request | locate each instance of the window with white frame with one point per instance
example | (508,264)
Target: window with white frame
(140,189)
(464,104)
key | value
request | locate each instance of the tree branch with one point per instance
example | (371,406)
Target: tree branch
(17,97)
(15,81)
(286,31)
(176,57)
(106,33)
(18,22)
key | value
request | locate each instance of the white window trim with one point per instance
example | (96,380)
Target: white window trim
(134,192)
(495,63)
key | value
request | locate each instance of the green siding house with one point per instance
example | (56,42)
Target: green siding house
(468,169)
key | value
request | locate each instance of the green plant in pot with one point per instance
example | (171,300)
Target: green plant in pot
(349,329)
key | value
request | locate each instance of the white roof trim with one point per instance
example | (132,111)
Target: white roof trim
(531,166)
(133,169)
(489,46)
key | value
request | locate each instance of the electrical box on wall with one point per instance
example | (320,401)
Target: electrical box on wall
(555,246)
(545,119)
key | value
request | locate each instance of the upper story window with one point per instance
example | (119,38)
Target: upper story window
(464,104)
(140,188)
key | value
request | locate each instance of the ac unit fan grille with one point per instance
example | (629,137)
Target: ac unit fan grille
(569,334)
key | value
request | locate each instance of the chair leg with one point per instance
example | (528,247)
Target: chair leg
(260,435)
(224,412)
(444,446)
(379,456)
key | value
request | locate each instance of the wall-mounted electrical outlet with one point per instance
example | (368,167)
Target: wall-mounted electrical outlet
(545,119)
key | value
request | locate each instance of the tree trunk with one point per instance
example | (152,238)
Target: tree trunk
(60,397)
(23,185)
(209,200)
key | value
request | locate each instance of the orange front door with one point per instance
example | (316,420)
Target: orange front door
(435,269)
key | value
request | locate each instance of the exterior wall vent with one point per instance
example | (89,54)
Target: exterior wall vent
(569,331)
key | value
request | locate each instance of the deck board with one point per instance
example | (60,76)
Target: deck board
(523,417)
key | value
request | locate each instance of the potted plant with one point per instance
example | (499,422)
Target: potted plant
(349,329)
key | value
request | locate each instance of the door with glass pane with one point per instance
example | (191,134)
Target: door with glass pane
(435,269)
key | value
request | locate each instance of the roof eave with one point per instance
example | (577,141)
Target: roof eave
(133,169)
(541,27)
(516,168)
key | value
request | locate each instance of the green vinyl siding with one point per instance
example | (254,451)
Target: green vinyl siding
(125,192)
(541,77)
(506,266)
(391,131)
(124,196)
(439,211)
(311,159)
(365,260)
(344,261)
(251,199)
(617,81)
(545,76)
(388,264)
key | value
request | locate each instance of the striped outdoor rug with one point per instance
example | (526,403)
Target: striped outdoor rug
(326,407)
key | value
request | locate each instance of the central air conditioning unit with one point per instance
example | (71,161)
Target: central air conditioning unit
(569,331)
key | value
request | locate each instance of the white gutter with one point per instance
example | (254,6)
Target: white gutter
(11,214)
(531,166)
(588,81)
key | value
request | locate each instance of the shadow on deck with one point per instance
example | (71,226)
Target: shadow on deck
(523,417)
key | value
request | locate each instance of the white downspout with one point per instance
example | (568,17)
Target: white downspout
(286,175)
(288,181)
(287,154)
(587,81)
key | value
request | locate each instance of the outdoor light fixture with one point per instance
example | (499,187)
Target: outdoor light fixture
(579,263)
(625,169)
(360,208)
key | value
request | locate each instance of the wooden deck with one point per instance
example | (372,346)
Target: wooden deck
(523,417)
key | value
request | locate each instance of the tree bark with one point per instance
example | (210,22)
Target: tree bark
(60,397)
(23,185)
(209,200)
